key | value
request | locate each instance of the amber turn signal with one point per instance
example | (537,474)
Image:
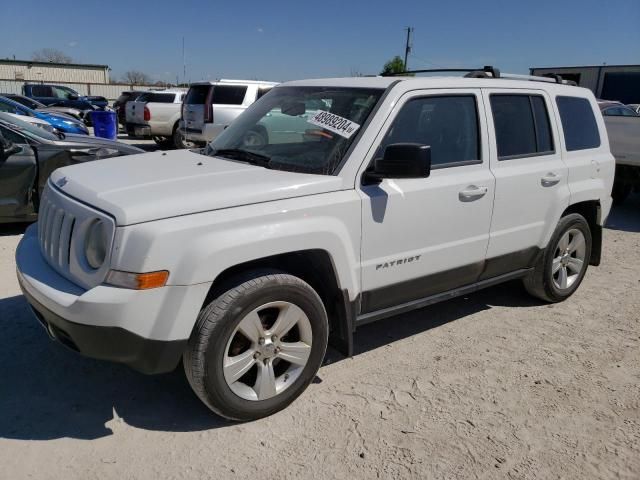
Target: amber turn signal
(138,281)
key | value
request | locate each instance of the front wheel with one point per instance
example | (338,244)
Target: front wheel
(257,346)
(563,264)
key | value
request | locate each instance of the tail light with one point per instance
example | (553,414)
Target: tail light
(208,107)
(147,114)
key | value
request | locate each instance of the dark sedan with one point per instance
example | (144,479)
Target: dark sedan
(29,154)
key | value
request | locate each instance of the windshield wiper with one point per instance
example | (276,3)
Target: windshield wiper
(243,155)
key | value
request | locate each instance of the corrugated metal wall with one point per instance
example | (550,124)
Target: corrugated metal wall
(110,91)
(591,77)
(54,73)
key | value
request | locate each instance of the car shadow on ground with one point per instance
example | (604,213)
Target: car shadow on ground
(626,217)
(49,392)
(11,229)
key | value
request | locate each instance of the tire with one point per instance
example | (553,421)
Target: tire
(178,140)
(547,280)
(217,339)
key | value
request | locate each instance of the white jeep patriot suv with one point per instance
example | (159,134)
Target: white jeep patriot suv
(326,205)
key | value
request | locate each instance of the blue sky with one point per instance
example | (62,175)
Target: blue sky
(284,40)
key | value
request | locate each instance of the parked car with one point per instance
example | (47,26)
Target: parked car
(210,107)
(121,102)
(623,128)
(156,115)
(63,96)
(62,122)
(41,107)
(36,122)
(244,260)
(31,154)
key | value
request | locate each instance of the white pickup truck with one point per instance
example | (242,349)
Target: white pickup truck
(210,107)
(381,195)
(156,115)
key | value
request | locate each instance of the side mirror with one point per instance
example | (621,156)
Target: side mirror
(293,109)
(71,96)
(401,160)
(7,149)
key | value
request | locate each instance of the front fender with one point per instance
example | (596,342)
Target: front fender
(197,248)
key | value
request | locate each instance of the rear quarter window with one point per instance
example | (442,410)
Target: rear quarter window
(229,94)
(578,123)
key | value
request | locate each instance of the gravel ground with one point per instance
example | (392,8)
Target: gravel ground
(511,389)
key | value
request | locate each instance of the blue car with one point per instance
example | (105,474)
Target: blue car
(62,122)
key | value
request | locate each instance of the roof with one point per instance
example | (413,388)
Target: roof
(431,82)
(52,64)
(226,81)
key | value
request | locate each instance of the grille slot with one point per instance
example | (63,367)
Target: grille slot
(62,225)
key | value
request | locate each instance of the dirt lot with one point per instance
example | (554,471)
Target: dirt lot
(494,385)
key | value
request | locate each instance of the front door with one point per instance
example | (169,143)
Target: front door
(429,235)
(18,175)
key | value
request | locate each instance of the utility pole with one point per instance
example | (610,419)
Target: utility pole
(184,64)
(407,48)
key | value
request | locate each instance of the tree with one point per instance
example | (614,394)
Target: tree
(395,65)
(135,77)
(51,55)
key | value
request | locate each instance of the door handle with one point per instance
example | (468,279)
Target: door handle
(550,179)
(472,192)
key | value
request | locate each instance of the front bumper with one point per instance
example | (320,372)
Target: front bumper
(108,343)
(147,329)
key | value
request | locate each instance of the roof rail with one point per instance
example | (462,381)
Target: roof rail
(489,71)
(480,71)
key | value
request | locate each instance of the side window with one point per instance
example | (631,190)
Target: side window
(41,91)
(521,124)
(448,124)
(578,123)
(60,93)
(12,136)
(229,94)
(262,91)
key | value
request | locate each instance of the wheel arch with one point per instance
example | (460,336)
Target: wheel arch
(314,266)
(592,212)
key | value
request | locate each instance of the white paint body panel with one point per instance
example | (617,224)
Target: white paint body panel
(197,216)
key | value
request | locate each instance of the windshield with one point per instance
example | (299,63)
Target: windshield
(298,129)
(23,127)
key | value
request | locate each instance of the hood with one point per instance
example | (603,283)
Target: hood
(141,188)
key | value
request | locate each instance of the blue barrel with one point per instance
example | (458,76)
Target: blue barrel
(105,124)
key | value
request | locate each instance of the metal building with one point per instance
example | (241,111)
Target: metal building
(32,71)
(608,82)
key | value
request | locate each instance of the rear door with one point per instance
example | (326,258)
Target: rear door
(194,107)
(229,102)
(18,175)
(531,176)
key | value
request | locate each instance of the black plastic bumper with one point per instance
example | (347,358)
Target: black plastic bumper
(110,343)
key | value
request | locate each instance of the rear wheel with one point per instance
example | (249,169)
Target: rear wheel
(257,346)
(564,262)
(179,141)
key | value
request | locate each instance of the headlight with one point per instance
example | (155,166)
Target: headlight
(46,127)
(95,246)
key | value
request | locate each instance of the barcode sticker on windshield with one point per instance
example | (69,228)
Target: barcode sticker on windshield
(334,123)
